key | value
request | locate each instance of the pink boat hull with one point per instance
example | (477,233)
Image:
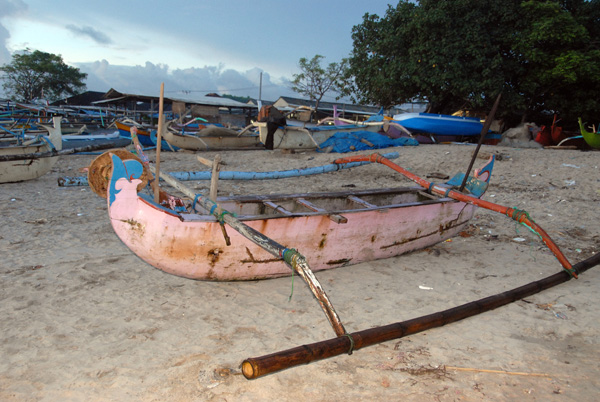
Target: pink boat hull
(197,250)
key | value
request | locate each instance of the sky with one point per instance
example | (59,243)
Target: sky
(196,46)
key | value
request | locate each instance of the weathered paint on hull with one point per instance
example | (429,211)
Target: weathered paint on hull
(197,250)
(22,170)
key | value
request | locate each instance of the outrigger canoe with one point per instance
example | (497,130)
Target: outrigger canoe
(29,167)
(331,230)
(592,138)
(212,138)
(440,124)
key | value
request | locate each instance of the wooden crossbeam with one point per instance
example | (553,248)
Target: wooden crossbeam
(277,208)
(360,201)
(334,217)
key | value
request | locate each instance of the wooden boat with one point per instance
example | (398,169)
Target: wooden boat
(440,124)
(113,139)
(297,137)
(144,134)
(29,167)
(212,138)
(592,138)
(337,228)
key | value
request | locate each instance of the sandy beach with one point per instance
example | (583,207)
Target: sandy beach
(85,319)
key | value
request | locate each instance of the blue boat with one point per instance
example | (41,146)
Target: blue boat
(439,124)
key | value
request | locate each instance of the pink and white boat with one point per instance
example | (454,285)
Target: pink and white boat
(331,230)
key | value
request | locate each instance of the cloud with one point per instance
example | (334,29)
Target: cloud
(9,8)
(146,79)
(91,33)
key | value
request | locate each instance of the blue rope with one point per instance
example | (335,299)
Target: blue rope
(47,140)
(196,200)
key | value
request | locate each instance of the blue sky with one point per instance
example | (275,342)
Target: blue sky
(199,46)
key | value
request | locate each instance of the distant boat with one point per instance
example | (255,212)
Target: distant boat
(296,137)
(592,138)
(28,166)
(213,138)
(144,134)
(439,124)
(78,141)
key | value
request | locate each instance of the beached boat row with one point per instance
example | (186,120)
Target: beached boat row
(27,155)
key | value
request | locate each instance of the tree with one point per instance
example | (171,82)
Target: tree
(541,54)
(38,74)
(314,81)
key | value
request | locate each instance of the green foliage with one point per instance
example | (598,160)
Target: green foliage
(38,74)
(243,99)
(543,55)
(315,81)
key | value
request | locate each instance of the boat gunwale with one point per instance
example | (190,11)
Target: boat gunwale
(205,216)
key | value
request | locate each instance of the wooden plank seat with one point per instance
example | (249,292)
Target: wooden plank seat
(360,201)
(277,208)
(334,217)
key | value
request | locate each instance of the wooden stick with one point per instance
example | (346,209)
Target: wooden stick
(292,257)
(161,124)
(204,161)
(214,179)
(245,129)
(260,366)
(311,137)
(484,130)
(496,371)
(143,157)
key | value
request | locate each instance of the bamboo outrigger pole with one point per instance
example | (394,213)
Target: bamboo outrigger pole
(291,256)
(259,366)
(516,214)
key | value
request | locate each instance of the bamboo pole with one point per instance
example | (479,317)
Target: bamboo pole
(310,136)
(259,366)
(214,179)
(484,130)
(518,215)
(69,181)
(291,256)
(161,124)
(475,370)
(143,157)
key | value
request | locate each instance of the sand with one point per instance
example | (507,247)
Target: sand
(84,319)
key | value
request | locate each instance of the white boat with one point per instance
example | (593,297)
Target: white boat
(30,166)
(296,137)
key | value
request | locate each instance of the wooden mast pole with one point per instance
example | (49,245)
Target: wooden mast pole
(484,130)
(161,124)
